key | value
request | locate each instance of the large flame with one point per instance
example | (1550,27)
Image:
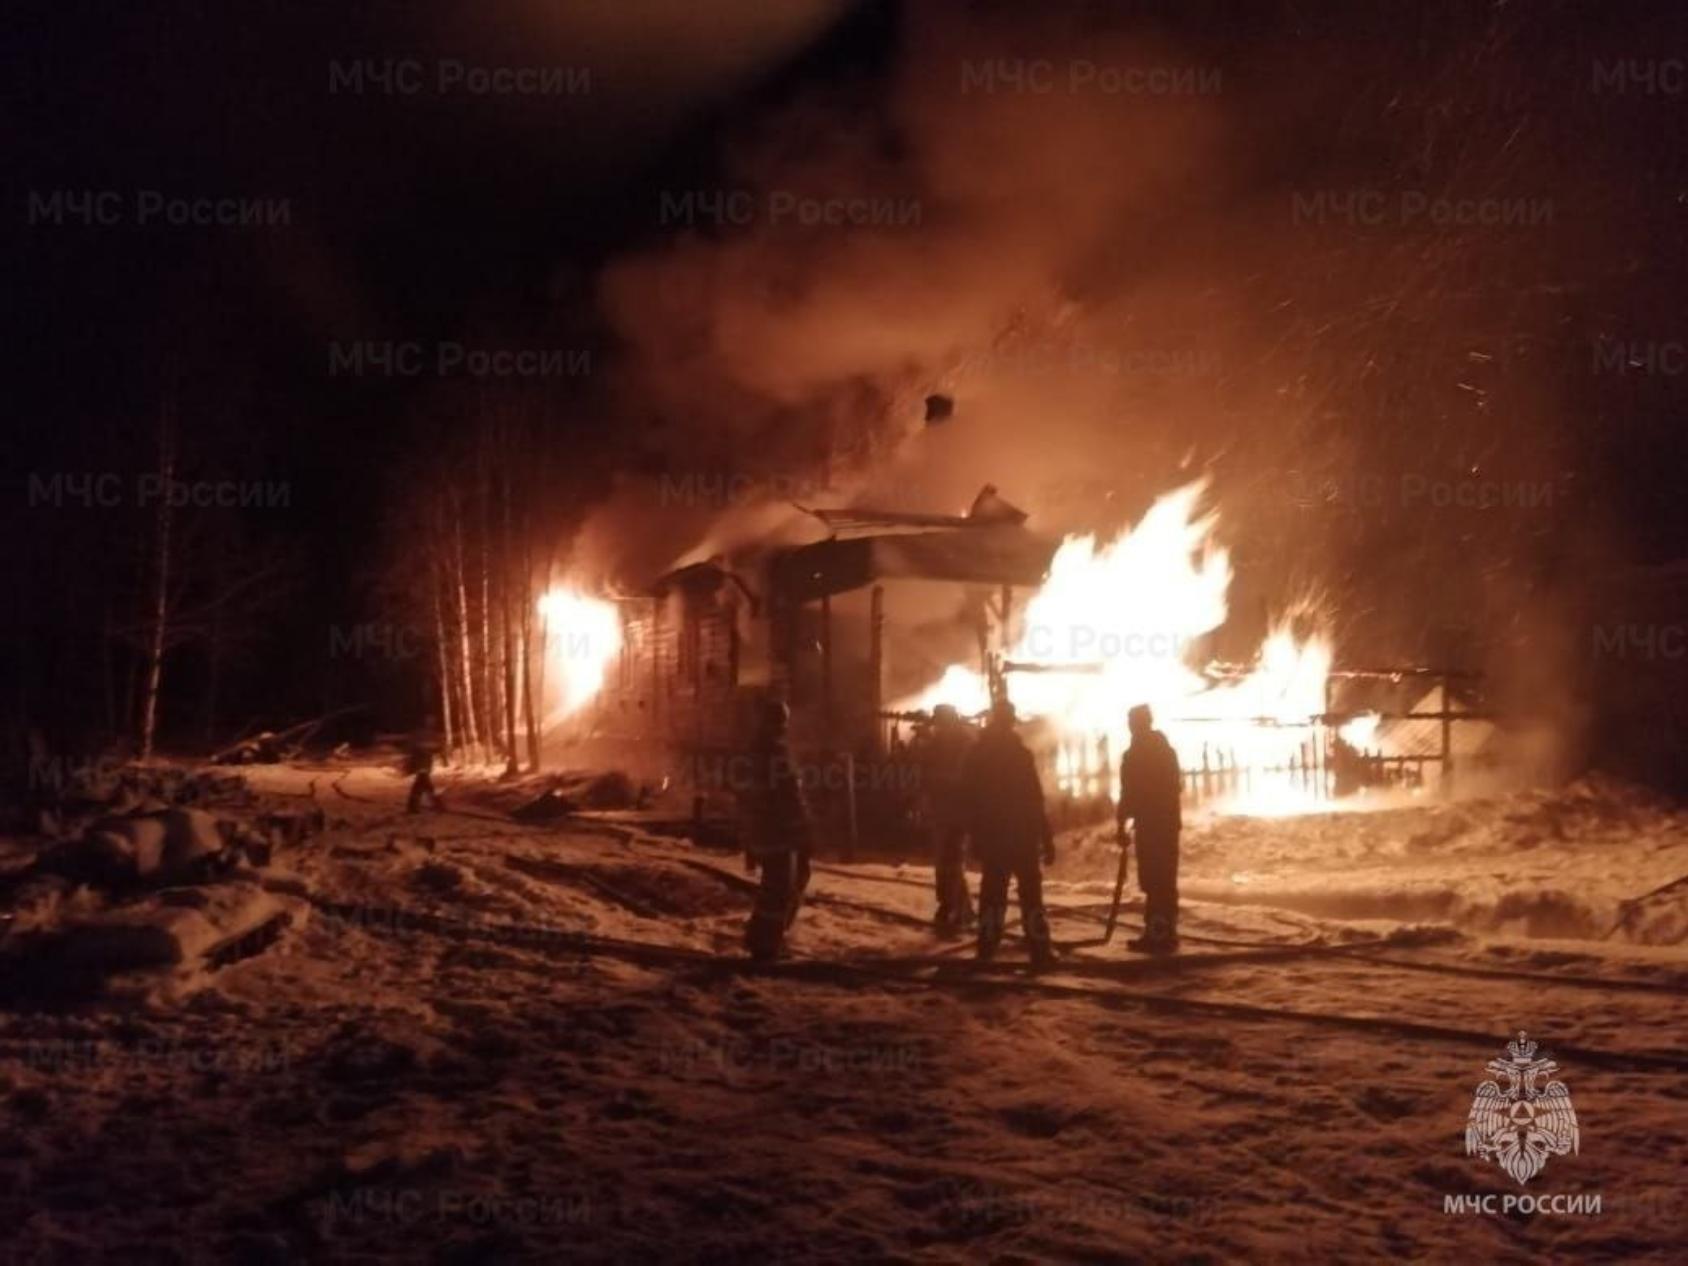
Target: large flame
(582,637)
(1120,624)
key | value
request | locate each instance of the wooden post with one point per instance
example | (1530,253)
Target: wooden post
(850,780)
(1447,735)
(1322,735)
(1104,753)
(876,663)
(733,648)
(826,667)
(694,617)
(781,642)
(656,668)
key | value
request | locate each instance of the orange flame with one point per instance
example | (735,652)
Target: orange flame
(1120,624)
(582,637)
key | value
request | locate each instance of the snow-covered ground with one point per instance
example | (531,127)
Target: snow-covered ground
(480,1041)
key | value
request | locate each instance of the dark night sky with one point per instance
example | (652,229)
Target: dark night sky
(413,216)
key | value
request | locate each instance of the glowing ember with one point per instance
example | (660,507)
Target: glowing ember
(1120,622)
(582,636)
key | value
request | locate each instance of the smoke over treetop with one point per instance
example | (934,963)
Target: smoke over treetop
(1123,290)
(992,202)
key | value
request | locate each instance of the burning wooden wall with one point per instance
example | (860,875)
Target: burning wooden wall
(675,680)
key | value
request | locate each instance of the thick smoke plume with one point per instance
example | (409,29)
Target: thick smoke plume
(1122,290)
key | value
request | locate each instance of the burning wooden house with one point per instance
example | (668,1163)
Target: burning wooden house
(866,629)
(809,622)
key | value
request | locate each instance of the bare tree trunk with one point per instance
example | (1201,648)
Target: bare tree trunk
(489,678)
(544,644)
(447,731)
(527,600)
(471,721)
(459,679)
(495,663)
(507,552)
(459,687)
(160,599)
(529,717)
(449,626)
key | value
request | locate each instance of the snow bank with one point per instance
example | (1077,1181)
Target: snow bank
(1593,860)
